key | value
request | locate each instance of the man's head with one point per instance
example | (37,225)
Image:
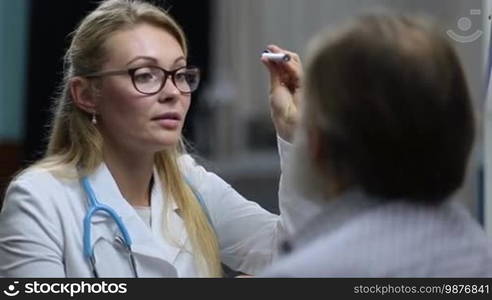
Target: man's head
(387,109)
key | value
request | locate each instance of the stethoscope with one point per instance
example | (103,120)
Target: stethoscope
(94,207)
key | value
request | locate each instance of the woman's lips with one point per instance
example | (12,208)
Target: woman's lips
(168,120)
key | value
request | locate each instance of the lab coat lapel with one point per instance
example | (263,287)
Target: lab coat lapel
(174,222)
(144,244)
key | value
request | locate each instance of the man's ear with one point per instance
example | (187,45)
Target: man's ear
(318,151)
(316,146)
(83,94)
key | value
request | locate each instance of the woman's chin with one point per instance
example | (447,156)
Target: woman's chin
(166,143)
(157,143)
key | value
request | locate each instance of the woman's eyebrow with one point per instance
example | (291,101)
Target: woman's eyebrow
(153,60)
(179,59)
(142,57)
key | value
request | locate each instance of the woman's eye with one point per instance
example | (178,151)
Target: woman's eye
(180,76)
(144,77)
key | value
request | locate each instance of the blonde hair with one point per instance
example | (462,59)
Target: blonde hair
(75,143)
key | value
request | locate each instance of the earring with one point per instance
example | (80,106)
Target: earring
(94,120)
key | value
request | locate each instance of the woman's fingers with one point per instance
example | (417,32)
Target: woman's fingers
(274,71)
(285,81)
(288,72)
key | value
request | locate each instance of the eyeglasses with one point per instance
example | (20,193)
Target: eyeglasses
(151,79)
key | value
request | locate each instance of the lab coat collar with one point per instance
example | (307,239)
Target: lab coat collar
(107,192)
(145,241)
(157,192)
(175,222)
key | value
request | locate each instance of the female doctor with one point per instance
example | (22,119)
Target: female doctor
(116,195)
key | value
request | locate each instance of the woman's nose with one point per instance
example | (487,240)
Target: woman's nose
(170,87)
(169,91)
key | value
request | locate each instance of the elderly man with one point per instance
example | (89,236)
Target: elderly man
(387,129)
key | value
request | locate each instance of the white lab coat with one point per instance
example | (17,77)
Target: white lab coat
(41,227)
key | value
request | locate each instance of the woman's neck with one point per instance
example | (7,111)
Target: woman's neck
(132,172)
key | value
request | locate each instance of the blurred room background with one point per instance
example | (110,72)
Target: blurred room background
(229,125)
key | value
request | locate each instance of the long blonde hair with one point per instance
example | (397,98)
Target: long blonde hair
(74,142)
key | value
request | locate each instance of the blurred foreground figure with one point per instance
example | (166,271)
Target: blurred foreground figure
(387,129)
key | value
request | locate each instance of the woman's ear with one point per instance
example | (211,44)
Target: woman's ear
(83,94)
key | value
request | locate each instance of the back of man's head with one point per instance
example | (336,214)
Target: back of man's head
(389,101)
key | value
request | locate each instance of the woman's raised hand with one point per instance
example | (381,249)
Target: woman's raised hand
(285,84)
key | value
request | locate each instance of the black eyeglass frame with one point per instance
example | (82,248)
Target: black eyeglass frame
(131,72)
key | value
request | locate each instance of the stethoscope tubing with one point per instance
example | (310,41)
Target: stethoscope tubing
(94,207)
